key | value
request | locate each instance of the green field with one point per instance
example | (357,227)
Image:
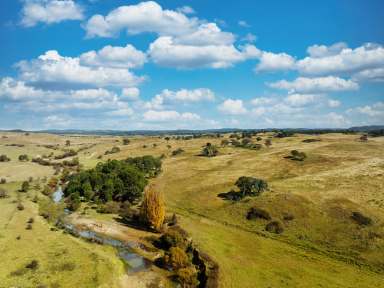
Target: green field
(320,247)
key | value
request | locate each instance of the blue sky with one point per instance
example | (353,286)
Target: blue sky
(94,64)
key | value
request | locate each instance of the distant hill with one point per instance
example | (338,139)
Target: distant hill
(202,131)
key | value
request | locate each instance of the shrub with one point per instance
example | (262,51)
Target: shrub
(114,149)
(24,186)
(275,227)
(20,206)
(153,209)
(30,220)
(33,265)
(67,143)
(23,157)
(3,181)
(187,277)
(29,226)
(224,142)
(69,153)
(110,207)
(126,141)
(176,258)
(363,138)
(175,236)
(258,213)
(209,150)
(268,142)
(4,158)
(310,140)
(177,151)
(3,193)
(361,219)
(297,156)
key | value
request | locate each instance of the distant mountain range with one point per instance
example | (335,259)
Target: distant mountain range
(203,131)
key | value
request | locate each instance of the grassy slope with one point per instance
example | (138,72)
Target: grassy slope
(93,265)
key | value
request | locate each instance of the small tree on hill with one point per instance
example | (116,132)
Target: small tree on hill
(153,208)
(67,143)
(209,150)
(268,142)
(251,186)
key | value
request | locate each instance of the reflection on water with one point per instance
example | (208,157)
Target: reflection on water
(134,262)
(58,195)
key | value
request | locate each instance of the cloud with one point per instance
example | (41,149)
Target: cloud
(333,103)
(243,23)
(316,85)
(186,10)
(249,38)
(274,62)
(169,115)
(53,121)
(142,17)
(262,101)
(298,100)
(341,60)
(182,96)
(232,107)
(373,75)
(49,11)
(375,110)
(121,112)
(114,57)
(166,52)
(131,93)
(54,70)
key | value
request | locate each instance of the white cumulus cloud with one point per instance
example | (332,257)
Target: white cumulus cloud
(232,107)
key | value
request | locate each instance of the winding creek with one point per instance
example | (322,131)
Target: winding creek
(133,261)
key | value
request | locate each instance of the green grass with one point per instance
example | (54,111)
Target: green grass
(63,259)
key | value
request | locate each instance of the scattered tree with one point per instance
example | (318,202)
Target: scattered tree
(126,141)
(275,227)
(297,156)
(3,193)
(3,181)
(363,138)
(268,142)
(209,150)
(67,143)
(24,186)
(23,157)
(250,186)
(4,158)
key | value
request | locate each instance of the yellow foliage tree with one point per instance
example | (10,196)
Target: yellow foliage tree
(153,208)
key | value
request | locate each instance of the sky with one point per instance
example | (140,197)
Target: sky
(191,64)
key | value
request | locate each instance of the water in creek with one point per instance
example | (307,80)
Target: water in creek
(134,262)
(57,195)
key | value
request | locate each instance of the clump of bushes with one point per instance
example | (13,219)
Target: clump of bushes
(149,165)
(3,193)
(258,213)
(23,157)
(297,156)
(361,219)
(4,158)
(275,227)
(175,236)
(69,153)
(209,150)
(177,151)
(110,207)
(114,149)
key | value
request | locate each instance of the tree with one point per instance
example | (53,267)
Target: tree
(246,141)
(23,157)
(153,208)
(67,143)
(268,142)
(4,158)
(3,193)
(24,186)
(224,142)
(298,156)
(126,141)
(250,186)
(363,138)
(3,181)
(209,150)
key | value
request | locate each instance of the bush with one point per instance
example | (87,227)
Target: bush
(110,207)
(268,142)
(4,158)
(24,186)
(209,150)
(153,209)
(3,181)
(187,277)
(23,157)
(258,213)
(275,227)
(361,219)
(297,156)
(33,265)
(176,258)
(126,141)
(310,140)
(20,206)
(29,226)
(114,149)
(173,237)
(69,153)
(177,151)
(3,193)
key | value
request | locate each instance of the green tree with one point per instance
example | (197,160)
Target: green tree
(24,186)
(250,186)
(209,150)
